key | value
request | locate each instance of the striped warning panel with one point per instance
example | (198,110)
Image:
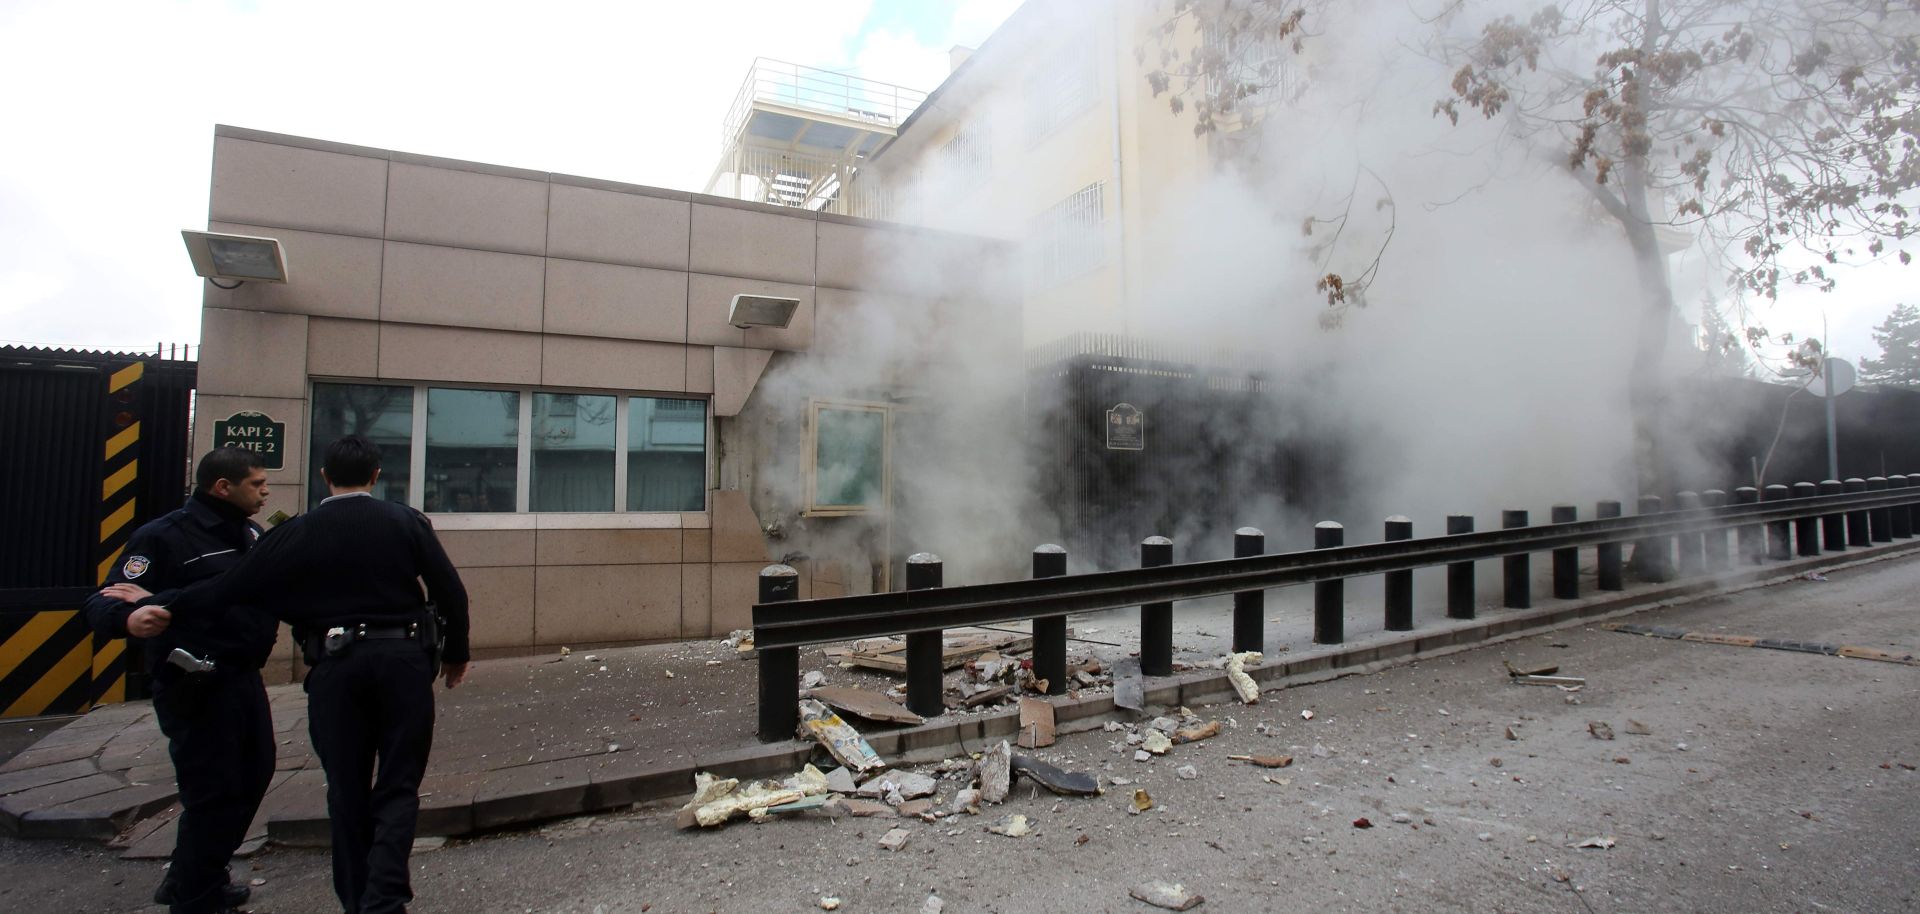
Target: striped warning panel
(119,475)
(46,663)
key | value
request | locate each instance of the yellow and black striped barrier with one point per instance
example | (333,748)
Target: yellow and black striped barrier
(120,470)
(46,662)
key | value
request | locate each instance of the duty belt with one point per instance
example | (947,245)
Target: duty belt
(339,638)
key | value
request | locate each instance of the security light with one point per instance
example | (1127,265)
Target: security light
(761,311)
(239,258)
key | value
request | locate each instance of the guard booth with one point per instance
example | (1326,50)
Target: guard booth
(96,444)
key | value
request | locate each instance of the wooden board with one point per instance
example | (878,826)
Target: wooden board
(865,704)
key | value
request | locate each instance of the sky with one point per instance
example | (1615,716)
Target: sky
(113,106)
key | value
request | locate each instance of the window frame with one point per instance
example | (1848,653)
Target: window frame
(811,457)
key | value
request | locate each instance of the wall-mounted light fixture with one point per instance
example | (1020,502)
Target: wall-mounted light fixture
(238,258)
(761,311)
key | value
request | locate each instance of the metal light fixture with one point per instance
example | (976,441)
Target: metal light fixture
(239,258)
(761,311)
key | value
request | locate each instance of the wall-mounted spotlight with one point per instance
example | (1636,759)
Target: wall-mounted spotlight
(761,311)
(239,258)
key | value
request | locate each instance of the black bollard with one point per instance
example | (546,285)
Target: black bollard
(1050,632)
(1460,597)
(1879,520)
(1902,514)
(1612,576)
(1857,520)
(1566,562)
(926,668)
(1690,547)
(1399,583)
(1156,619)
(1750,540)
(1780,532)
(1653,555)
(1518,569)
(779,666)
(1713,543)
(1249,606)
(1833,527)
(1329,597)
(1806,530)
(1913,510)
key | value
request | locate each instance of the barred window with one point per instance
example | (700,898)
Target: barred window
(968,157)
(1060,91)
(1259,61)
(1068,239)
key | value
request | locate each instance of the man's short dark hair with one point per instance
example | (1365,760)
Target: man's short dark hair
(351,461)
(232,464)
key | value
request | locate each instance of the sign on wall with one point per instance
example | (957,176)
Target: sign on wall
(1126,428)
(255,432)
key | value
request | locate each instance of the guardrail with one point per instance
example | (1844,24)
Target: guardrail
(1692,538)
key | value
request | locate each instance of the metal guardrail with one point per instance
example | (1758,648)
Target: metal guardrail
(813,89)
(1767,525)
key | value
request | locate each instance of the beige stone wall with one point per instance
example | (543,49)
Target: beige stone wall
(411,269)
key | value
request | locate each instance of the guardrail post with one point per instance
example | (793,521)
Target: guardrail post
(1249,606)
(1751,539)
(1806,530)
(1156,619)
(1518,568)
(779,666)
(1611,570)
(1833,527)
(1780,532)
(1856,520)
(1713,543)
(1879,520)
(1566,562)
(1913,510)
(1653,555)
(1050,632)
(1460,597)
(1399,596)
(1902,514)
(1329,597)
(926,670)
(1690,547)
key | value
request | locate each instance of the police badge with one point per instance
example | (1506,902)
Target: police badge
(136,566)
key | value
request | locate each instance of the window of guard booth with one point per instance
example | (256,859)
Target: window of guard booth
(666,454)
(847,470)
(573,452)
(379,412)
(472,451)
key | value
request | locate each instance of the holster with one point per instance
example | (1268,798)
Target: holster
(433,633)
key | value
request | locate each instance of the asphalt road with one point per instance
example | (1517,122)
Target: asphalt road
(1764,781)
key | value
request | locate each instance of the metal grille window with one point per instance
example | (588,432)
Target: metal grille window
(1260,64)
(1068,239)
(969,155)
(1060,90)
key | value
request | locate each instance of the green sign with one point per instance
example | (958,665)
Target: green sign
(255,432)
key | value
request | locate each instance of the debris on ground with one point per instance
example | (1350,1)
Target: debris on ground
(996,773)
(1562,681)
(1170,895)
(889,655)
(1320,751)
(1512,735)
(1156,743)
(1036,723)
(715,800)
(895,839)
(933,905)
(1637,728)
(1142,801)
(841,741)
(967,801)
(1186,772)
(898,786)
(1517,672)
(812,680)
(840,807)
(1013,826)
(829,903)
(1599,729)
(1812,576)
(1306,715)
(1601,843)
(1363,822)
(865,704)
(1243,684)
(987,696)
(1127,690)
(840,780)
(1264,761)
(1064,783)
(740,639)
(1195,734)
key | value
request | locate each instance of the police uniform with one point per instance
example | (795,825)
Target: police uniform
(218,727)
(353,566)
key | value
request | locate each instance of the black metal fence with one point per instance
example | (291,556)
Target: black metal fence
(1700,534)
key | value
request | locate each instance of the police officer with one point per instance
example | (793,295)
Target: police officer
(218,727)
(347,575)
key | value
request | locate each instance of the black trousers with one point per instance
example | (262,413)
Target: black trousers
(220,736)
(370,714)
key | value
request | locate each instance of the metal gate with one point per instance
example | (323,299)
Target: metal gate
(94,445)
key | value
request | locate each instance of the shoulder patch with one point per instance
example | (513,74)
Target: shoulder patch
(136,565)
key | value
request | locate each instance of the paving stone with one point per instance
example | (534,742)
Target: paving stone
(446,803)
(37,757)
(158,773)
(155,836)
(16,806)
(529,793)
(258,827)
(296,811)
(101,816)
(140,830)
(30,778)
(624,778)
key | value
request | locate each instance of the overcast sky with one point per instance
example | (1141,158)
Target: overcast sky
(113,105)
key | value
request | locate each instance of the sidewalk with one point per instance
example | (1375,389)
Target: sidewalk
(538,737)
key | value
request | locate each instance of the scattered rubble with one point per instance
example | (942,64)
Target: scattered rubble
(1064,783)
(1598,842)
(996,773)
(895,839)
(1195,734)
(715,800)
(1243,684)
(1128,692)
(1036,723)
(898,786)
(1170,895)
(841,741)
(1186,772)
(1013,826)
(1637,728)
(1599,729)
(866,705)
(1142,801)
(1264,761)
(1156,743)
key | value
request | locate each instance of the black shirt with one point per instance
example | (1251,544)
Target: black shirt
(354,559)
(199,541)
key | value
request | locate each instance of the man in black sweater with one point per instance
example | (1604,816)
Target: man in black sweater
(218,728)
(347,577)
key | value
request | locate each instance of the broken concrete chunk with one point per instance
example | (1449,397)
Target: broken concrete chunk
(840,807)
(933,905)
(1142,801)
(1036,723)
(841,741)
(1170,895)
(1065,783)
(1157,743)
(915,808)
(1141,755)
(1195,734)
(967,801)
(1243,684)
(1013,826)
(840,780)
(895,839)
(1264,761)
(1637,728)
(1128,692)
(813,680)
(908,784)
(1186,772)
(996,772)
(1164,724)
(1599,729)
